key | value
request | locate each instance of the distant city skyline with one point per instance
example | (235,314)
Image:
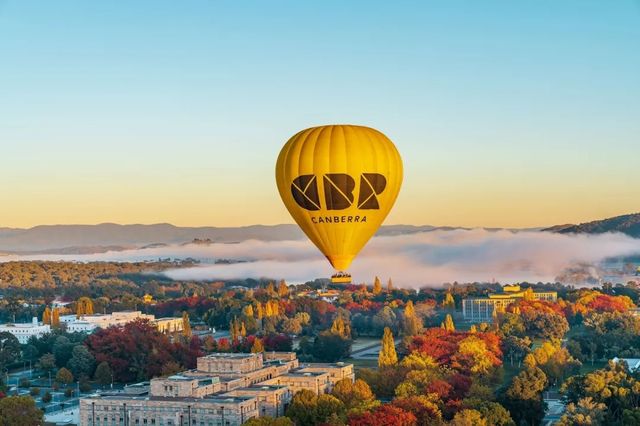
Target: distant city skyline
(507,114)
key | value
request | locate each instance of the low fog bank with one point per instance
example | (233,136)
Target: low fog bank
(429,258)
(433,258)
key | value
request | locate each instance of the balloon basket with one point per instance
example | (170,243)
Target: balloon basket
(341,278)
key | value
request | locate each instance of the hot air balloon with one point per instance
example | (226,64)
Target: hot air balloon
(339,182)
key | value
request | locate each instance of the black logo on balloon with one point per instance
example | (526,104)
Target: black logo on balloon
(338,191)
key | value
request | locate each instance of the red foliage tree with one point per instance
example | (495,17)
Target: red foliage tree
(366,306)
(539,306)
(440,387)
(278,342)
(606,303)
(187,354)
(135,351)
(384,415)
(425,414)
(223,345)
(175,307)
(442,345)
(460,384)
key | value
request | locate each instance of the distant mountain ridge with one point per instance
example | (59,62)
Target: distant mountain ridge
(84,239)
(627,224)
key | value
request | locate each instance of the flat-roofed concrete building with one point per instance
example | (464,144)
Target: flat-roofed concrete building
(230,363)
(316,382)
(337,371)
(273,400)
(211,410)
(183,386)
(481,309)
(224,390)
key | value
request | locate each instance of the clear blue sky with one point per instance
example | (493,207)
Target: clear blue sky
(507,113)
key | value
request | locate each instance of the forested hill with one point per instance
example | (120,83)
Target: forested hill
(627,224)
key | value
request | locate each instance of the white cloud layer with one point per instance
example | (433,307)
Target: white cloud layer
(414,260)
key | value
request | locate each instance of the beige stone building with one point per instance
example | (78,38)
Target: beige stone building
(184,386)
(212,410)
(224,390)
(272,399)
(337,371)
(297,380)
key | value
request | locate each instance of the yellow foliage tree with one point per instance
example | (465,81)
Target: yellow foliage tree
(259,311)
(419,361)
(257,346)
(84,306)
(234,329)
(448,323)
(409,310)
(341,328)
(388,355)
(474,350)
(377,286)
(449,302)
(186,325)
(271,290)
(411,324)
(247,311)
(529,361)
(46,316)
(283,289)
(55,318)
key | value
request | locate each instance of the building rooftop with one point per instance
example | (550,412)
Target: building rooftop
(338,364)
(220,399)
(178,377)
(230,355)
(257,388)
(21,325)
(298,373)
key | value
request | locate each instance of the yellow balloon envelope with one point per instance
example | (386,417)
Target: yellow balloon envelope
(339,182)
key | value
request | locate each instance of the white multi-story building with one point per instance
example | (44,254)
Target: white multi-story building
(24,331)
(89,323)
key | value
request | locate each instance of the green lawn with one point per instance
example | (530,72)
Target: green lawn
(510,372)
(588,368)
(362,363)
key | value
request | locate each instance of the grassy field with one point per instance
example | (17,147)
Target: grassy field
(363,363)
(510,371)
(588,368)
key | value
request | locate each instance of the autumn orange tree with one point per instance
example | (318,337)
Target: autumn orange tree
(385,415)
